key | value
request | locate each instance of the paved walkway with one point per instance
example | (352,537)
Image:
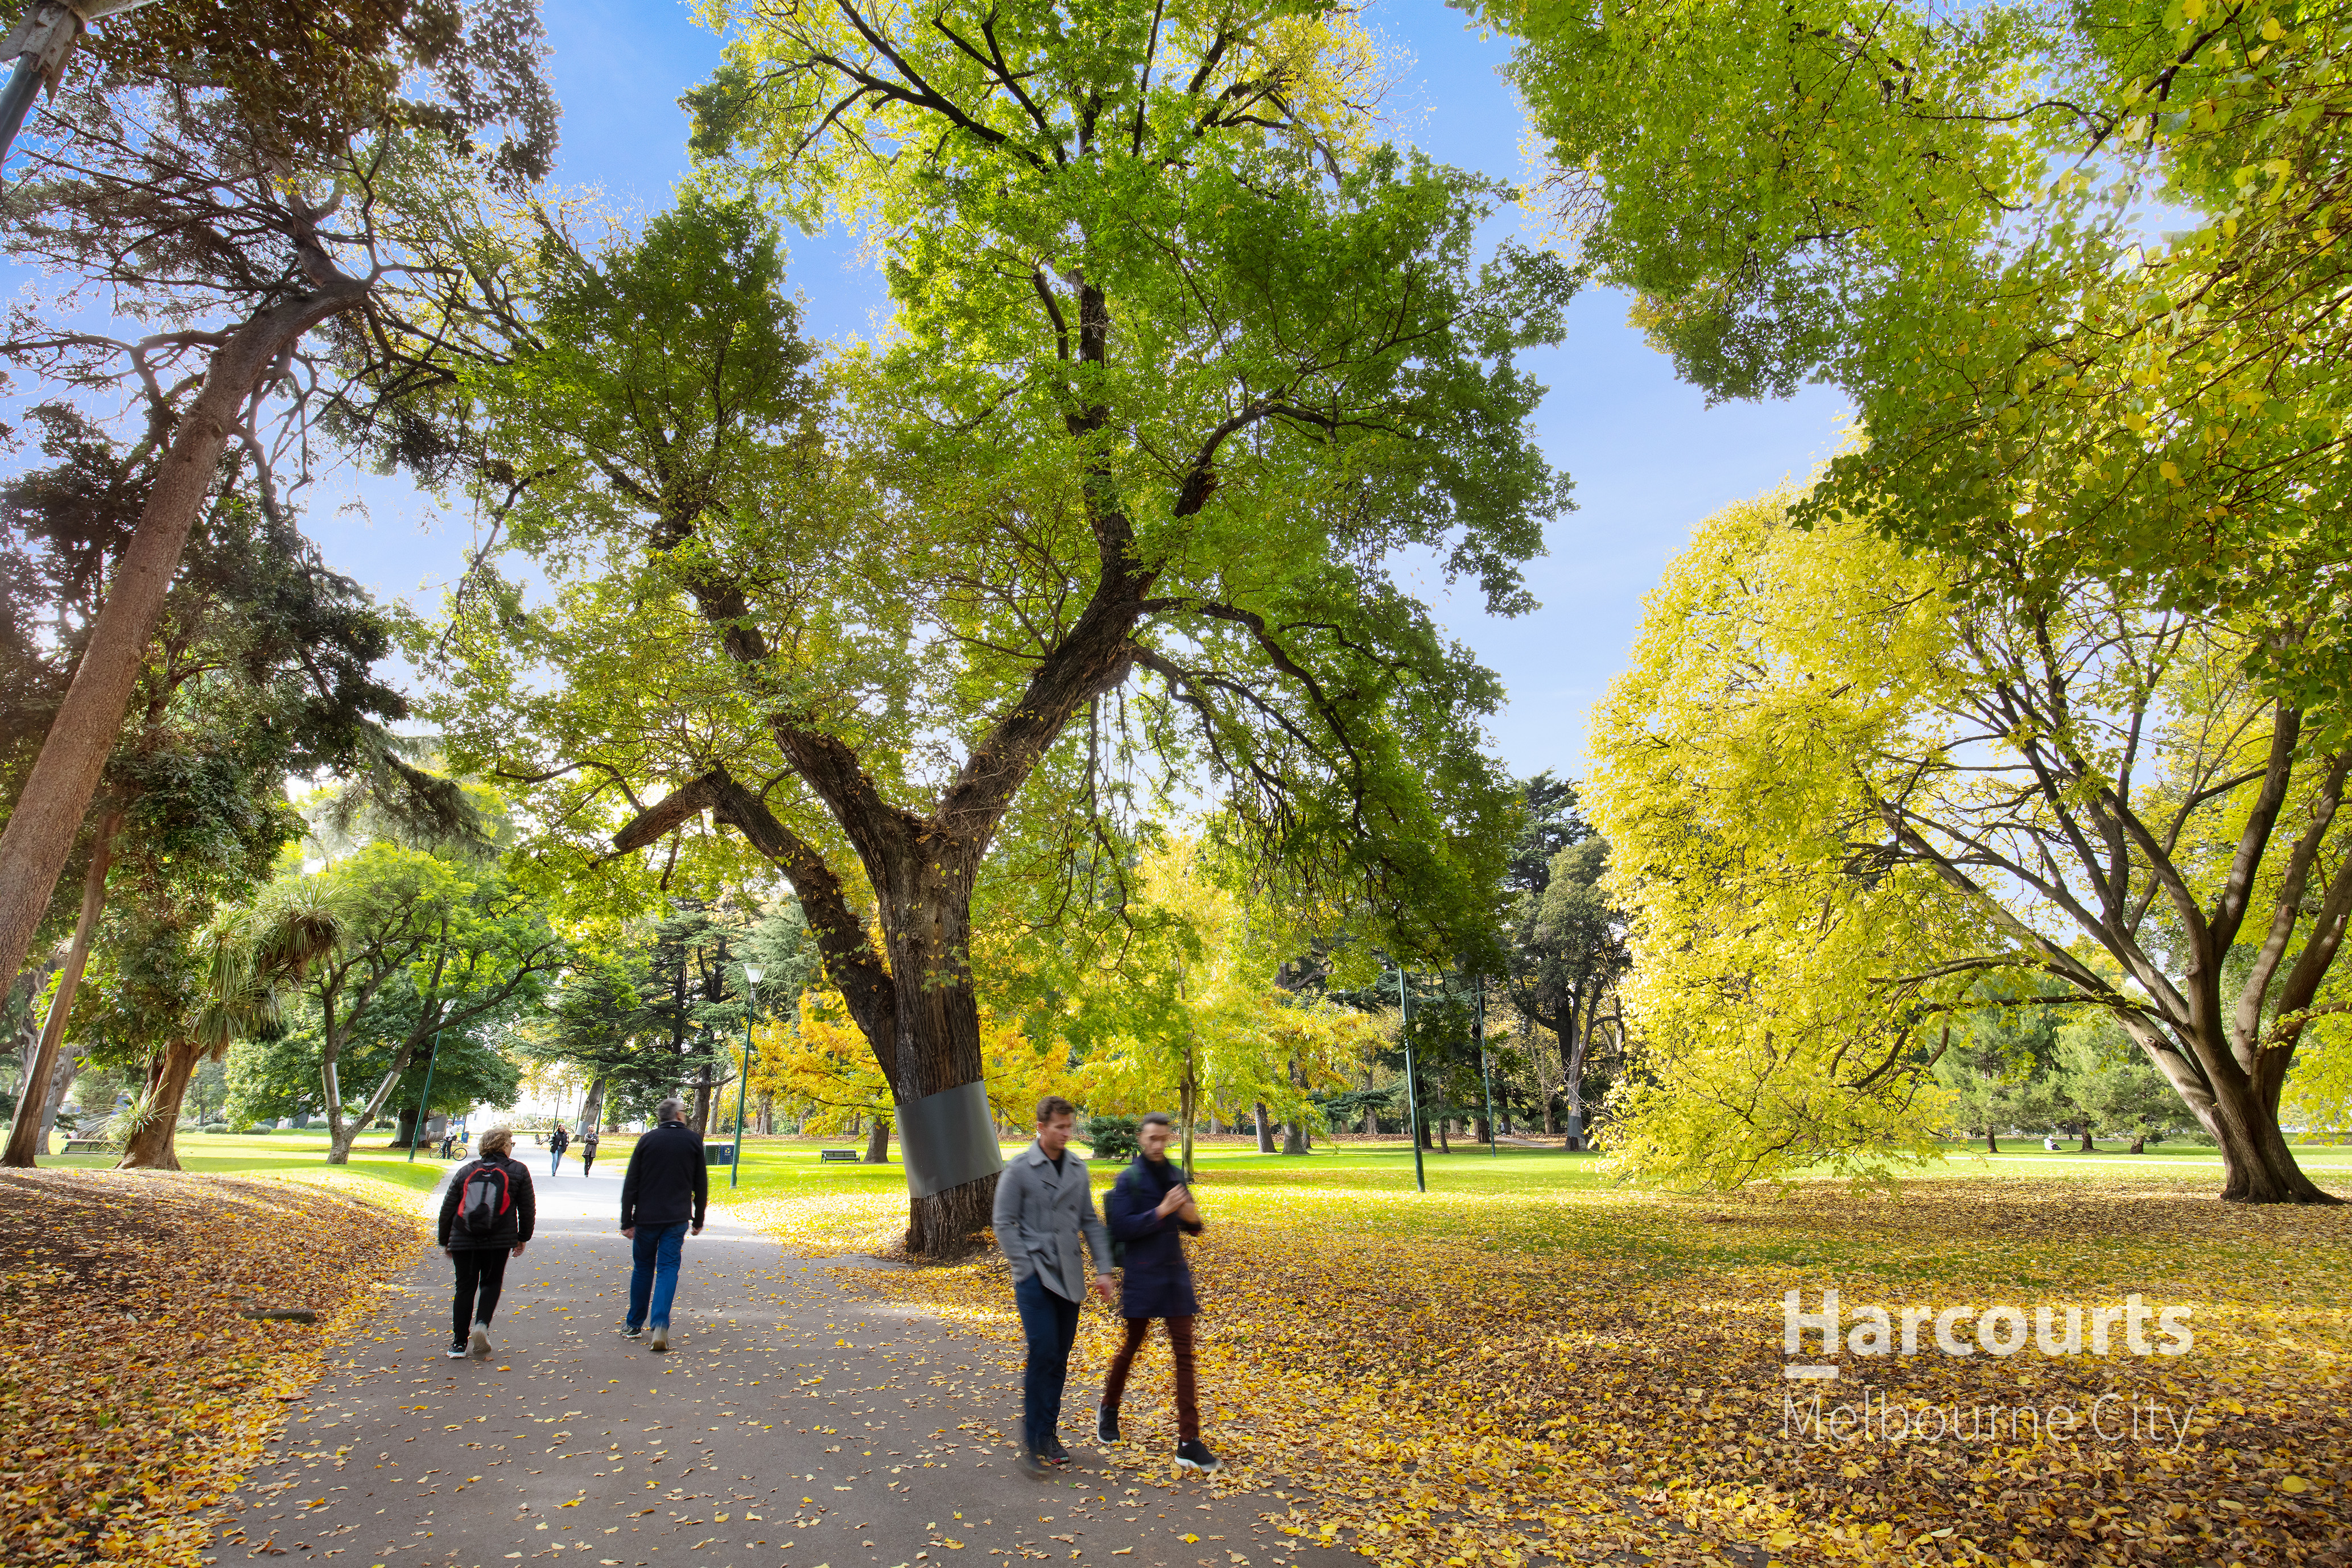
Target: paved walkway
(790,1427)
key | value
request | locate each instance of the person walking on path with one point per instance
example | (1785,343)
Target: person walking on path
(558,1141)
(1150,1211)
(587,1150)
(1043,1205)
(667,1189)
(486,1218)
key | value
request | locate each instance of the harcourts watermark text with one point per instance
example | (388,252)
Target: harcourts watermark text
(2129,1327)
(1997,1330)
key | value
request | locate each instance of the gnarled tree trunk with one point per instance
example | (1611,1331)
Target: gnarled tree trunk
(155,1145)
(877,1142)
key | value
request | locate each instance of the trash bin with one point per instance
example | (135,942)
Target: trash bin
(715,1154)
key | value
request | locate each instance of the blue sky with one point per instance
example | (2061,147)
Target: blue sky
(1649,458)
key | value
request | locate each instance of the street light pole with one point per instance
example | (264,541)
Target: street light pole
(425,1100)
(1411,1087)
(742,1079)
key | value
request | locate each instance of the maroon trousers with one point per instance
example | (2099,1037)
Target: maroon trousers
(1180,1341)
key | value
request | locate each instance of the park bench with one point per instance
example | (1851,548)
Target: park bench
(90,1146)
(828,1155)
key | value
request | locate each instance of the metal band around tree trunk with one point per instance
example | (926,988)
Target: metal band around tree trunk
(948,1139)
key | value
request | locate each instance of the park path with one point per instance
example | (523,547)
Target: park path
(744,1447)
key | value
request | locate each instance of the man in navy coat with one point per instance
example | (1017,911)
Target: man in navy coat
(1150,1211)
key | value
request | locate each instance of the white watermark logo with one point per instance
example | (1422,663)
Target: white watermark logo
(1998,1330)
(2109,1418)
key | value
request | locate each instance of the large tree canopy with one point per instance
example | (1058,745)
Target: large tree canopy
(1847,786)
(2078,265)
(1179,366)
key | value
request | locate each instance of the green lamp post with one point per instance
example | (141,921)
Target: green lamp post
(425,1100)
(1412,1084)
(742,1079)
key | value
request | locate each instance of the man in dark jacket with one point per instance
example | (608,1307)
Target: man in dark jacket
(486,1218)
(1150,1211)
(558,1140)
(667,1189)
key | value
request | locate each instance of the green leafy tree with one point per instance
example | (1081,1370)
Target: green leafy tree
(262,665)
(425,944)
(2068,262)
(230,177)
(2111,1087)
(1181,363)
(1848,783)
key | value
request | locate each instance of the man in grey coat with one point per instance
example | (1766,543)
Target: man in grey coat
(1043,1205)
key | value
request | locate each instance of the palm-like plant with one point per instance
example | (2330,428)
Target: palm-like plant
(250,954)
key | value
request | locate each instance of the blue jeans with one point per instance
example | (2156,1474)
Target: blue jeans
(1049,1321)
(553,1166)
(656,1274)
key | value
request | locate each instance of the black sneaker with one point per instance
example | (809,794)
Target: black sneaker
(1195,1456)
(1106,1425)
(456,1350)
(629,1332)
(1055,1454)
(1034,1466)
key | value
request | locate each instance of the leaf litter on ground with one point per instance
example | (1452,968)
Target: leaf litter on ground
(137,1395)
(1506,1376)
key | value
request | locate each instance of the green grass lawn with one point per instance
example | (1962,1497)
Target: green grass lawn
(786,1167)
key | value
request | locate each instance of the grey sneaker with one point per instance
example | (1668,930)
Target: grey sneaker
(479,1342)
(661,1336)
(1106,1425)
(1195,1456)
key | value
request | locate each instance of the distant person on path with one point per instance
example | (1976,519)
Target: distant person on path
(558,1141)
(484,1219)
(587,1151)
(667,1189)
(449,1140)
(1150,1211)
(1043,1204)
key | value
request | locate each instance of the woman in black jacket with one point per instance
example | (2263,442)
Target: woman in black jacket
(486,1218)
(1149,1212)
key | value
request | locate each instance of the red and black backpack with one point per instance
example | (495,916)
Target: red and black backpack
(482,1207)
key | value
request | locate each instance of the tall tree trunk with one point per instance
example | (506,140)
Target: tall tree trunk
(1294,1137)
(28,1133)
(1264,1130)
(1993,1144)
(2257,1166)
(49,810)
(877,1142)
(1187,1092)
(1574,1045)
(591,1110)
(2088,1147)
(342,1132)
(155,1145)
(60,1085)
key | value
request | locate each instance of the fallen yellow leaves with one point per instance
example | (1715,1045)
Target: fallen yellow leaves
(134,1393)
(1498,1376)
